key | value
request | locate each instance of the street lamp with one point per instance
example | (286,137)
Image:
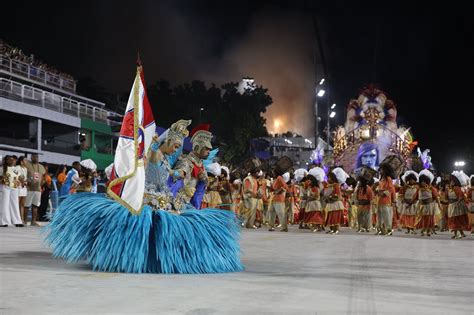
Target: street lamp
(333,106)
(321,93)
(332,114)
(459,164)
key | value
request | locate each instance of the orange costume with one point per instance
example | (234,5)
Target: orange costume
(278,203)
(61,178)
(290,202)
(212,198)
(262,200)
(236,190)
(364,207)
(250,194)
(334,205)
(409,209)
(457,210)
(427,206)
(313,211)
(387,197)
(470,197)
(225,193)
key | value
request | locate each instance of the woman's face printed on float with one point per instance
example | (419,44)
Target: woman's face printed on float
(369,158)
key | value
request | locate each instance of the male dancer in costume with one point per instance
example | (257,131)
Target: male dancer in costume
(278,205)
(250,196)
(191,165)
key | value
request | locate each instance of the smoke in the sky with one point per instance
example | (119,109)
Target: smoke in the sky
(274,48)
(277,52)
(179,44)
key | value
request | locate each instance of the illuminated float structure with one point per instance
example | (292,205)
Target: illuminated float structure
(371,133)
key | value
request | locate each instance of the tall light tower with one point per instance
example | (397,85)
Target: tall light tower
(319,93)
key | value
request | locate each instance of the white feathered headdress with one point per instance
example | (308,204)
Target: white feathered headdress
(341,175)
(299,174)
(318,173)
(427,174)
(462,178)
(225,168)
(408,173)
(89,164)
(214,169)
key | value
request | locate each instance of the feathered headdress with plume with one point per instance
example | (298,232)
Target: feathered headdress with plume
(317,156)
(425,158)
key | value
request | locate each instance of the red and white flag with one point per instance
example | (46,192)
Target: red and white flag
(127,181)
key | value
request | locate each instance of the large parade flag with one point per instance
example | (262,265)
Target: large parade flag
(127,181)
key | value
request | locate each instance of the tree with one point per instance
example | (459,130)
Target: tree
(235,118)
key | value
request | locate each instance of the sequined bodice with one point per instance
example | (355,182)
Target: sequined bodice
(156,176)
(157,193)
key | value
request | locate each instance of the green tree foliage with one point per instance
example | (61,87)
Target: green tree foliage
(235,118)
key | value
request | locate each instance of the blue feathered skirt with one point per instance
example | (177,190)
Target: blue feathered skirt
(104,233)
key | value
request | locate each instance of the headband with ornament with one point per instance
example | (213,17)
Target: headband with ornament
(178,131)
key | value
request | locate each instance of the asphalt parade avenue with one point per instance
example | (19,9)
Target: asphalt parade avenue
(298,272)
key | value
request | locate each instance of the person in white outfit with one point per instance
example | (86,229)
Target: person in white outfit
(9,209)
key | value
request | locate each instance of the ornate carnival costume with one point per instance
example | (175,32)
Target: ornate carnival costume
(364,197)
(167,234)
(409,193)
(428,203)
(314,215)
(333,197)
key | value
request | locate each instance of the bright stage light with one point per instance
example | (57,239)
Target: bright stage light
(459,163)
(277,123)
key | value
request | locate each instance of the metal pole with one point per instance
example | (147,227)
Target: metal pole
(39,134)
(328,118)
(316,120)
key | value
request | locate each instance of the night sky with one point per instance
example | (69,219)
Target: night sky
(423,58)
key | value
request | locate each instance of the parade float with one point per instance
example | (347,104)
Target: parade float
(371,133)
